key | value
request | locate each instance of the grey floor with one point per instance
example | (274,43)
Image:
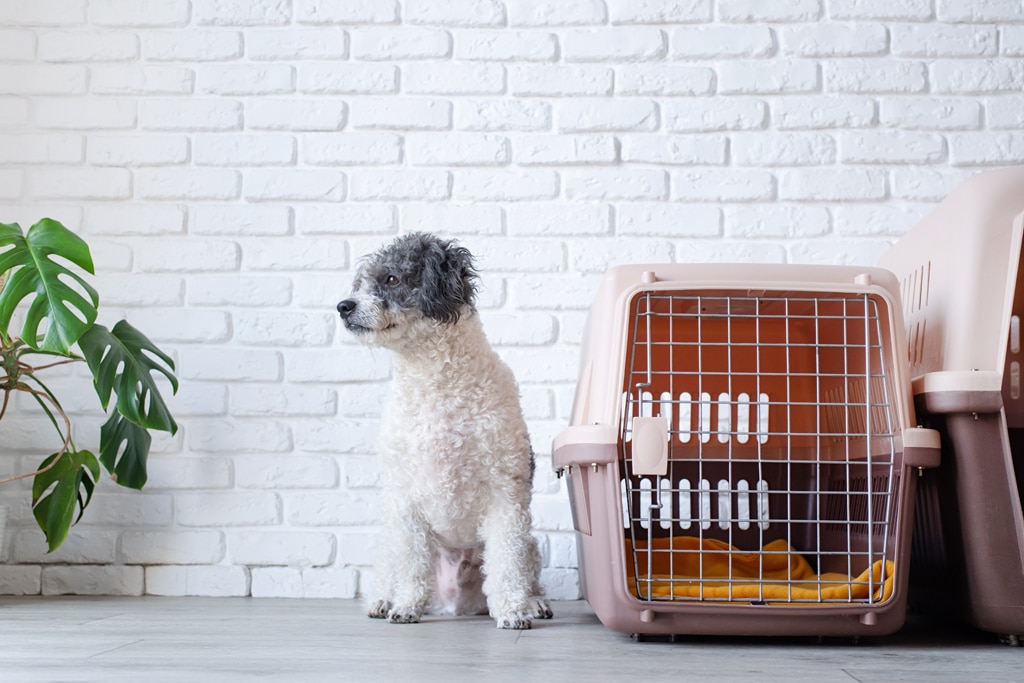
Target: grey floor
(233,639)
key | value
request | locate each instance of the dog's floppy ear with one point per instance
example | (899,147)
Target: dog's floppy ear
(448,280)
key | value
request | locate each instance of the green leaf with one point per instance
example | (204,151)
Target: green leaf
(58,492)
(33,267)
(119,362)
(127,466)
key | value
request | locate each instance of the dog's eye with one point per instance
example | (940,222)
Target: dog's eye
(392,280)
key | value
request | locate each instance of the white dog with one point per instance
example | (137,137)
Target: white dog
(455,453)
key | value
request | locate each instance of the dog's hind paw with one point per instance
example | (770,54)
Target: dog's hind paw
(514,620)
(540,609)
(404,615)
(379,609)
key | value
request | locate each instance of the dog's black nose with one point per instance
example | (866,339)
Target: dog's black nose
(347,308)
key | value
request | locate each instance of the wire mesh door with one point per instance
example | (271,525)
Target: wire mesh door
(783,463)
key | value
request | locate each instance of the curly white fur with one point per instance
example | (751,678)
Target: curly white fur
(455,453)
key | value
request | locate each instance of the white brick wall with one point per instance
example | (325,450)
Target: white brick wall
(229,160)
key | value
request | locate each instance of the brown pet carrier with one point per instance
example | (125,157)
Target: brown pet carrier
(742,453)
(963,298)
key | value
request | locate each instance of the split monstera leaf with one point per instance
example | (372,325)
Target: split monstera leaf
(42,279)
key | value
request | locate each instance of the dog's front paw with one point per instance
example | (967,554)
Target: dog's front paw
(404,615)
(540,609)
(514,620)
(379,609)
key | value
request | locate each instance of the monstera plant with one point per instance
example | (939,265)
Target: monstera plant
(43,286)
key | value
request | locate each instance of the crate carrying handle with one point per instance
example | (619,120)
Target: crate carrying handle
(650,446)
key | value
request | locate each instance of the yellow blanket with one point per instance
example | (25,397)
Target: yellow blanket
(688,567)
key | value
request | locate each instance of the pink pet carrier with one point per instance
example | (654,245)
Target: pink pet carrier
(742,454)
(963,298)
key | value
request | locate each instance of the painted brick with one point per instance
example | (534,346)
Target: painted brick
(302,43)
(142,13)
(230,365)
(284,253)
(333,509)
(720,185)
(629,184)
(502,256)
(344,78)
(551,218)
(172,547)
(931,113)
(352,149)
(191,114)
(454,12)
(41,149)
(719,42)
(232,219)
(597,257)
(892,147)
(44,13)
(977,149)
(502,185)
(245,79)
(835,40)
(913,10)
(241,12)
(295,115)
(715,114)
(193,256)
(137,80)
(1005,112)
(81,46)
(505,45)
(32,79)
(243,150)
(392,44)
(567,13)
(94,183)
(92,580)
(823,111)
(239,291)
(783,149)
(170,183)
(664,79)
(607,115)
(358,364)
(443,78)
(978,76)
(190,473)
(657,12)
(614,45)
(876,76)
(192,45)
(291,548)
(213,581)
(137,150)
(349,12)
(1011,40)
(322,185)
(459,149)
(452,218)
(281,329)
(402,112)
(777,221)
(287,582)
(20,579)
(675,149)
(13,112)
(669,220)
(560,80)
(767,77)
(93,113)
(942,40)
(563,150)
(401,185)
(792,10)
(838,184)
(877,220)
(990,10)
(227,509)
(503,115)
(332,220)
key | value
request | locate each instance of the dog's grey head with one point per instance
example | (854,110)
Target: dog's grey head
(417,277)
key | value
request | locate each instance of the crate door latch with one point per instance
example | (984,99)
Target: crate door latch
(650,446)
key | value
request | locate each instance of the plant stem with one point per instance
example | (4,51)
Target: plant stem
(67,437)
